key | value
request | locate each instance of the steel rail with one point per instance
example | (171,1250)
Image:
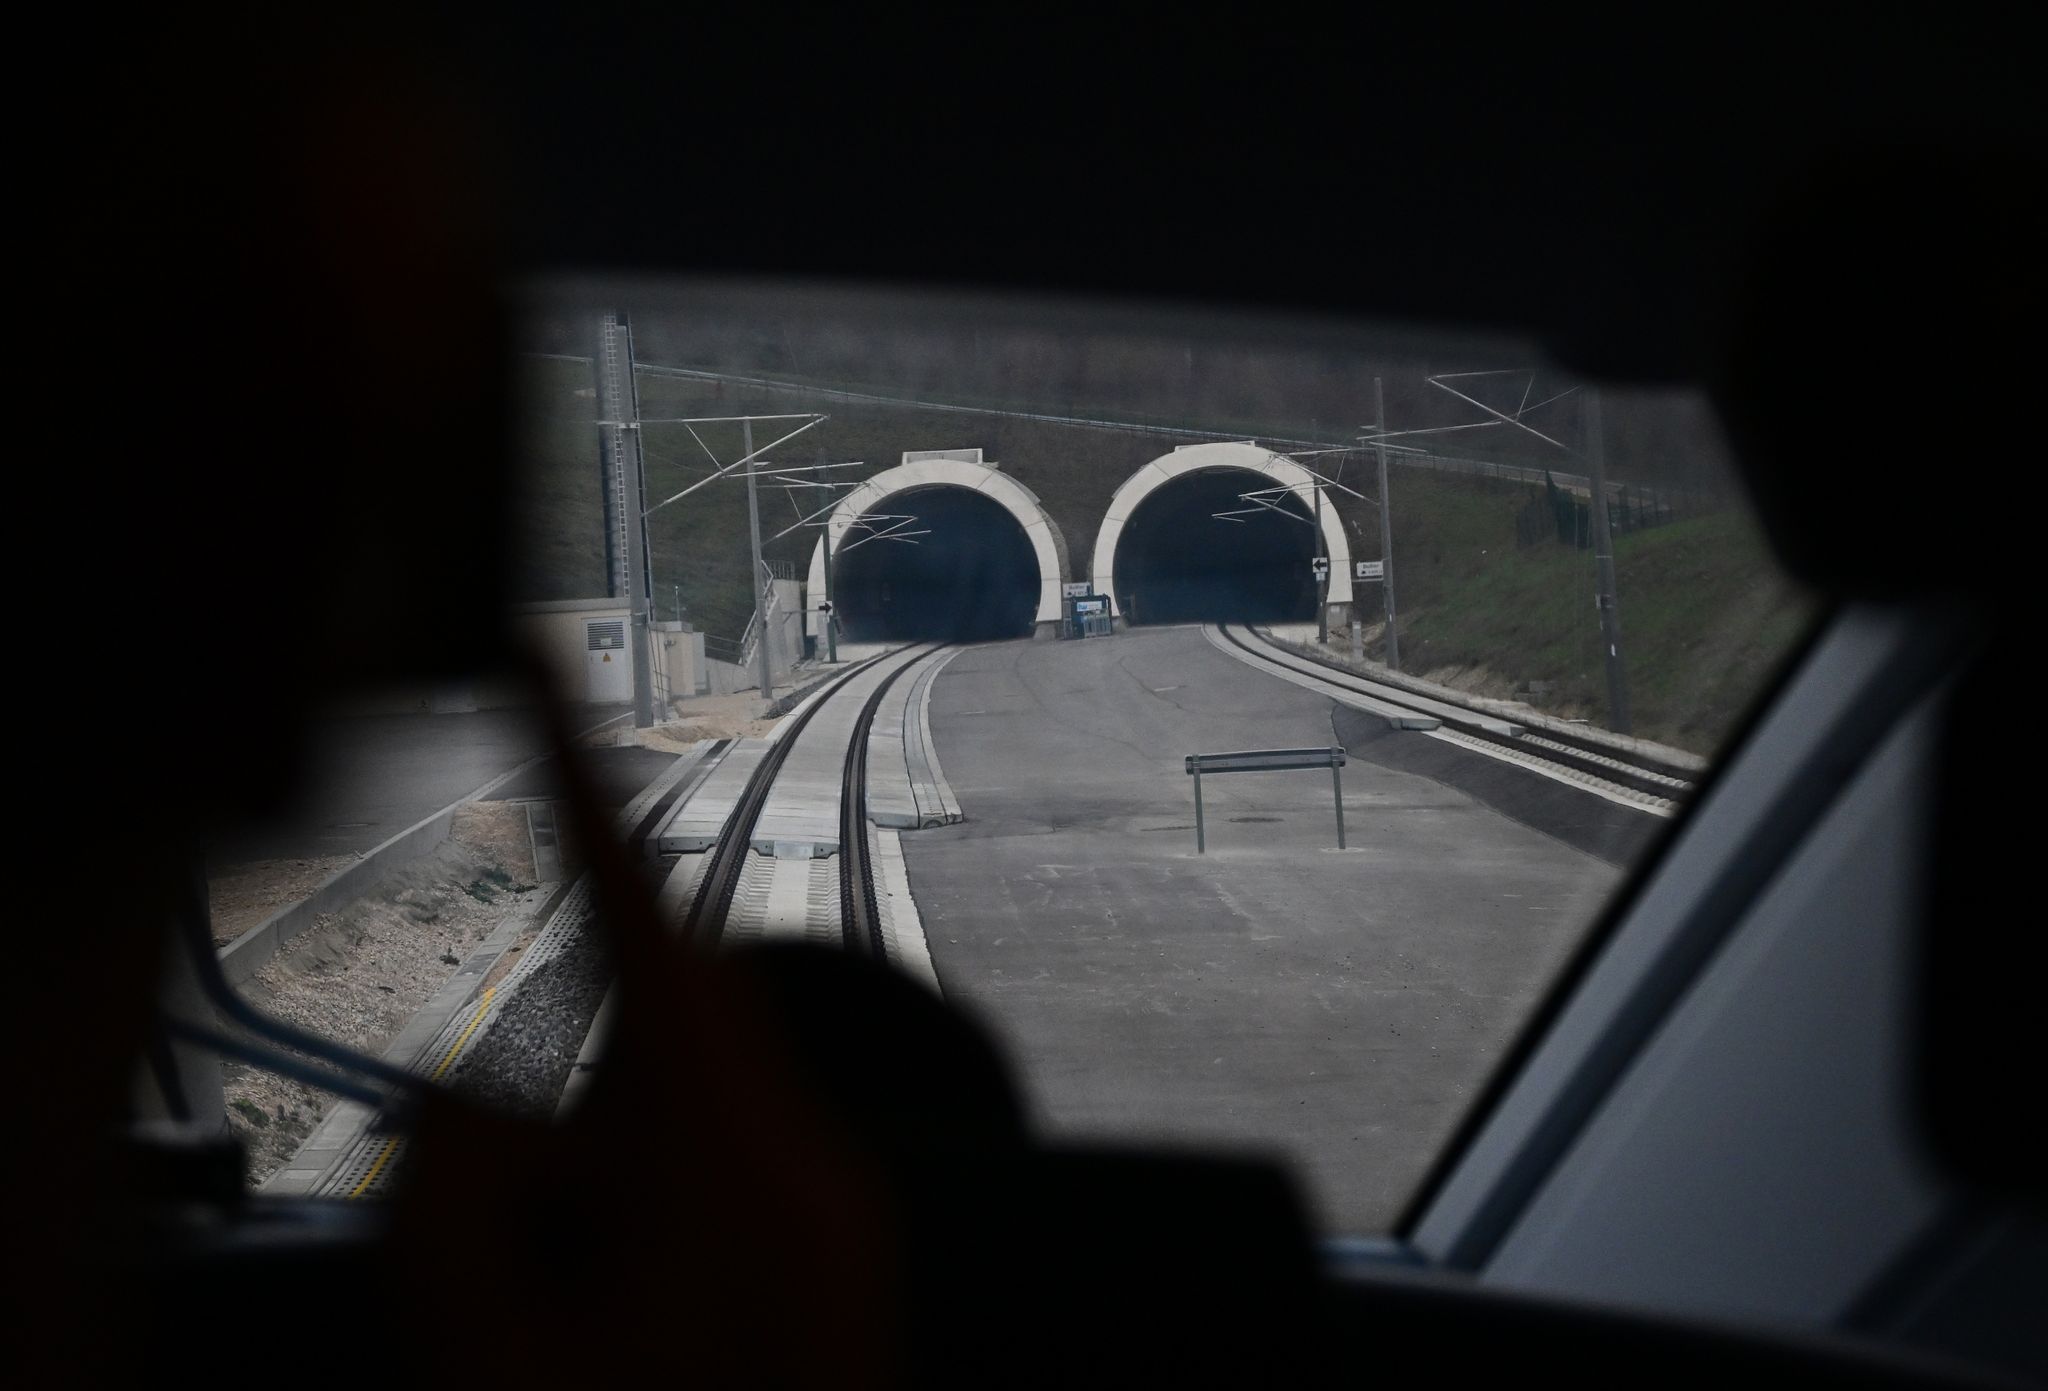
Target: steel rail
(860,913)
(705,922)
(1544,744)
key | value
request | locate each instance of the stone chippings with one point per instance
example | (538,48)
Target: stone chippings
(522,1062)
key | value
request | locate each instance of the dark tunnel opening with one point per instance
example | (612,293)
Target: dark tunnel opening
(1177,562)
(972,577)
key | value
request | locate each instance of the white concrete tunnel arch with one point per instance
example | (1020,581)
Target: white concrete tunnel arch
(1198,458)
(1047,544)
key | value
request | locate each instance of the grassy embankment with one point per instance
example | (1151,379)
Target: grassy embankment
(1706,616)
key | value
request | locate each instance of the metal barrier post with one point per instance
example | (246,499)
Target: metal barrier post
(1265,761)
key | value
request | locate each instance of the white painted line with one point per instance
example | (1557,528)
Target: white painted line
(1536,724)
(1395,716)
(1397,696)
(1570,777)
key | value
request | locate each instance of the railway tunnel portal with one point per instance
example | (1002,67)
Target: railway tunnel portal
(1164,556)
(944,546)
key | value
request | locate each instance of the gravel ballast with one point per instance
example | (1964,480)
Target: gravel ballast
(522,1062)
(358,977)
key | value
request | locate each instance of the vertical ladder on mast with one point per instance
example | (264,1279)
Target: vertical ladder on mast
(615,405)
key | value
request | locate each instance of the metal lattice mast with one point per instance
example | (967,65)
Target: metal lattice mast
(1603,572)
(1379,409)
(614,407)
(764,585)
(625,499)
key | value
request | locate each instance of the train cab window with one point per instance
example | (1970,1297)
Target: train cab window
(1515,615)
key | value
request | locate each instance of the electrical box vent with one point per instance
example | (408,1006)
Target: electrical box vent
(606,637)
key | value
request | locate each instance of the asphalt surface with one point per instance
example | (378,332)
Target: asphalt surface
(1602,828)
(1341,1007)
(369,777)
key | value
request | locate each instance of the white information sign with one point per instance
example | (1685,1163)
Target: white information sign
(1369,569)
(1075,591)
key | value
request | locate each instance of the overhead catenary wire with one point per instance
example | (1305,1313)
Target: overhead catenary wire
(751,455)
(1421,457)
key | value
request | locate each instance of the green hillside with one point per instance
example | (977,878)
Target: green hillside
(1706,616)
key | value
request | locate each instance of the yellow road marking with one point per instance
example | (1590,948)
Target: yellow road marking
(391,1145)
(474,1020)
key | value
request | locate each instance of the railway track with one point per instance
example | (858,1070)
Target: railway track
(359,1156)
(860,917)
(726,862)
(1641,780)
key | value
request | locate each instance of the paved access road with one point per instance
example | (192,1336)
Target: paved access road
(1273,993)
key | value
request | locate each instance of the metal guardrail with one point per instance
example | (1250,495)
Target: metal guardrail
(1265,761)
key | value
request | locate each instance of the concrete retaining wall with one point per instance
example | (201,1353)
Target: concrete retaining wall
(240,958)
(724,678)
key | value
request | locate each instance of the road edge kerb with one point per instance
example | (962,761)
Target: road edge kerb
(255,948)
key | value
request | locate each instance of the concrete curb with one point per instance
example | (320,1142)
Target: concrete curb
(255,948)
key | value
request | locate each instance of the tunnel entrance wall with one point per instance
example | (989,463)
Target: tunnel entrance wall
(1048,545)
(970,577)
(1251,458)
(1177,563)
